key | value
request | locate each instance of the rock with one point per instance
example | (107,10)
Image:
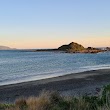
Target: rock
(108,48)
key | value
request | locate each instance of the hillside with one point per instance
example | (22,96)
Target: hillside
(5,48)
(72,47)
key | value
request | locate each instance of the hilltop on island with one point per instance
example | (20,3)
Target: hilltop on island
(74,47)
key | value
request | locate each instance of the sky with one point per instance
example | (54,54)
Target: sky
(51,23)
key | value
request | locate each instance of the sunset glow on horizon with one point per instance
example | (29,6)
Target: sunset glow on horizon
(28,24)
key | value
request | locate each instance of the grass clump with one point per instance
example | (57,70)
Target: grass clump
(5,106)
(52,100)
(41,102)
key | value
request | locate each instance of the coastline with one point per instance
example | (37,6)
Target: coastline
(71,84)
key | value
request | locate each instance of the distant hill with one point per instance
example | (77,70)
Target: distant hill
(72,47)
(5,48)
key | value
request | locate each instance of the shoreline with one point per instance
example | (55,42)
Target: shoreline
(70,84)
(51,77)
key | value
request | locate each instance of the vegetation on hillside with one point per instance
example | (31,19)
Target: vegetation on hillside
(72,47)
(54,101)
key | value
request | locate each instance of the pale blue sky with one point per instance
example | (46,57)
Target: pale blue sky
(50,23)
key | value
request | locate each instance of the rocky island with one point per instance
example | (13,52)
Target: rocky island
(74,47)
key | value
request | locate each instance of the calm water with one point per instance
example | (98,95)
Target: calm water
(18,66)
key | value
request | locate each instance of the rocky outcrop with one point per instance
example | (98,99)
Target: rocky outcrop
(107,48)
(93,50)
(72,47)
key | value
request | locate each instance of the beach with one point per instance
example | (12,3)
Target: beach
(68,85)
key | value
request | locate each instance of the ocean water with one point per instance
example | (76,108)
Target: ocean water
(20,66)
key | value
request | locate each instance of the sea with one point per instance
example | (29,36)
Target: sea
(18,66)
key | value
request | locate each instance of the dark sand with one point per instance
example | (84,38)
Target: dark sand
(72,84)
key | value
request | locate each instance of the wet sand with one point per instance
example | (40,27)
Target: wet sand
(72,84)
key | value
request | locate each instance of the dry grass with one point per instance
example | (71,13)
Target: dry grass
(43,102)
(53,101)
(39,103)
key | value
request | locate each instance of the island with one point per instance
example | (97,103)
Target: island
(74,47)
